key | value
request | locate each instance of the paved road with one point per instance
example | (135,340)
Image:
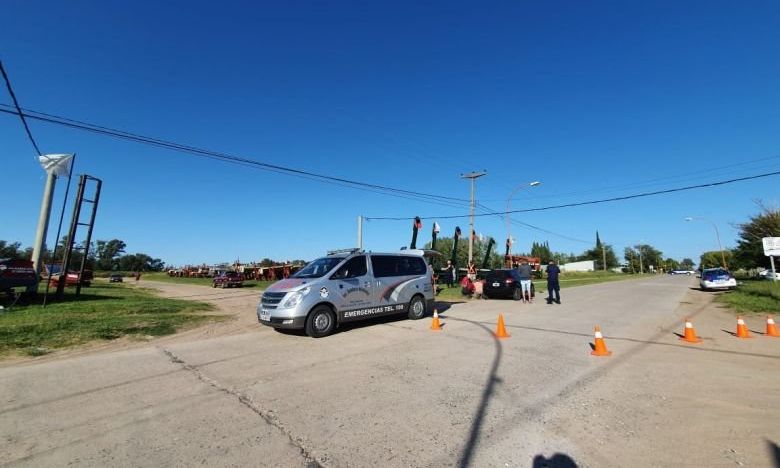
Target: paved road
(397,394)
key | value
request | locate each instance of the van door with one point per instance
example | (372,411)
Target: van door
(390,274)
(353,290)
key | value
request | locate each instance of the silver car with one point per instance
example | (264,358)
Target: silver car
(346,286)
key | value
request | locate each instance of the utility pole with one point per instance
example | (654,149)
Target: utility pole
(360,232)
(473,176)
(641,267)
(55,165)
(603,257)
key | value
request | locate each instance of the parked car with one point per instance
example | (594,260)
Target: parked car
(16,273)
(346,286)
(115,278)
(768,275)
(228,279)
(502,283)
(72,279)
(717,278)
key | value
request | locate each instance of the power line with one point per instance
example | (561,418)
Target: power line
(226,157)
(591,202)
(18,109)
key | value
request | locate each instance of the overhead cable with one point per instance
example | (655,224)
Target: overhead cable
(591,202)
(121,134)
(18,109)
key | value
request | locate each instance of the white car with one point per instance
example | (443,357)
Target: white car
(717,278)
(767,274)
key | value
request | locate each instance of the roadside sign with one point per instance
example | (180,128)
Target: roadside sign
(771,246)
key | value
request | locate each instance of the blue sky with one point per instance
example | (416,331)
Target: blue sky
(593,99)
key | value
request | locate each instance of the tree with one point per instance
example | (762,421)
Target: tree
(749,252)
(140,262)
(714,259)
(107,253)
(686,264)
(543,252)
(596,255)
(641,257)
(12,250)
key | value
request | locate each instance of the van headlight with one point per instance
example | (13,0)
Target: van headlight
(295,298)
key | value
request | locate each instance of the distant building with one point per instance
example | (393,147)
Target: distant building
(585,265)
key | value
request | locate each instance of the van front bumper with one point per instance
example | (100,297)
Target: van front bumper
(284,322)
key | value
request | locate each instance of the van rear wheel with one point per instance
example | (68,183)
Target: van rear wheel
(321,322)
(416,308)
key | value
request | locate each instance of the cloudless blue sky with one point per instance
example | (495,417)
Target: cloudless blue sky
(593,99)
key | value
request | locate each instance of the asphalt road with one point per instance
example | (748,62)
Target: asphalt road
(393,393)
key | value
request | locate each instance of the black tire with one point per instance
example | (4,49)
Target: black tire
(320,322)
(517,294)
(416,308)
(213,284)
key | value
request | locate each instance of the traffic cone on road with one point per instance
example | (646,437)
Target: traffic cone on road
(435,325)
(742,330)
(771,329)
(690,333)
(501,328)
(599,347)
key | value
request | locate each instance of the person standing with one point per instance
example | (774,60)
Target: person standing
(524,271)
(449,274)
(552,283)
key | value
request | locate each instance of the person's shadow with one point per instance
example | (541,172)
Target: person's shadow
(558,460)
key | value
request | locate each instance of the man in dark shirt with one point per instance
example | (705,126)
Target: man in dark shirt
(552,283)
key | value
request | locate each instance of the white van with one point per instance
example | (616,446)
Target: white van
(346,286)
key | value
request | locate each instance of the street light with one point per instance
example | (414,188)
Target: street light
(535,183)
(717,236)
(473,176)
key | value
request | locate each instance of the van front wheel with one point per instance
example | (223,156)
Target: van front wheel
(321,322)
(417,308)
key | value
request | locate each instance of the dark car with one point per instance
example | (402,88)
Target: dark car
(115,278)
(502,283)
(16,273)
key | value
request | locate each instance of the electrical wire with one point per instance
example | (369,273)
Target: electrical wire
(18,109)
(121,134)
(590,202)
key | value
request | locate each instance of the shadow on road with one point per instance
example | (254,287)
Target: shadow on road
(558,460)
(774,453)
(487,393)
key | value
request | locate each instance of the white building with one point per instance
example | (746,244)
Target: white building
(585,265)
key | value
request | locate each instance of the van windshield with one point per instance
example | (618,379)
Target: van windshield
(318,268)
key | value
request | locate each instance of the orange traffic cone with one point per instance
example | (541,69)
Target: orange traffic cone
(771,330)
(501,328)
(600,348)
(690,333)
(742,330)
(435,325)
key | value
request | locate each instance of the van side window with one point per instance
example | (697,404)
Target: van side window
(402,265)
(352,269)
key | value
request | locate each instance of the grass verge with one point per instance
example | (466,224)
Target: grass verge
(757,297)
(103,312)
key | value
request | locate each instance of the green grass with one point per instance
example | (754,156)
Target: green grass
(161,276)
(759,297)
(103,312)
(567,280)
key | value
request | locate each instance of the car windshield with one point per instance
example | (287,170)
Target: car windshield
(318,268)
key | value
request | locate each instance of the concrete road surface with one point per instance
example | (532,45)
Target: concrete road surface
(395,394)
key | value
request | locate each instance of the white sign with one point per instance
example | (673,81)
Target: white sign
(771,246)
